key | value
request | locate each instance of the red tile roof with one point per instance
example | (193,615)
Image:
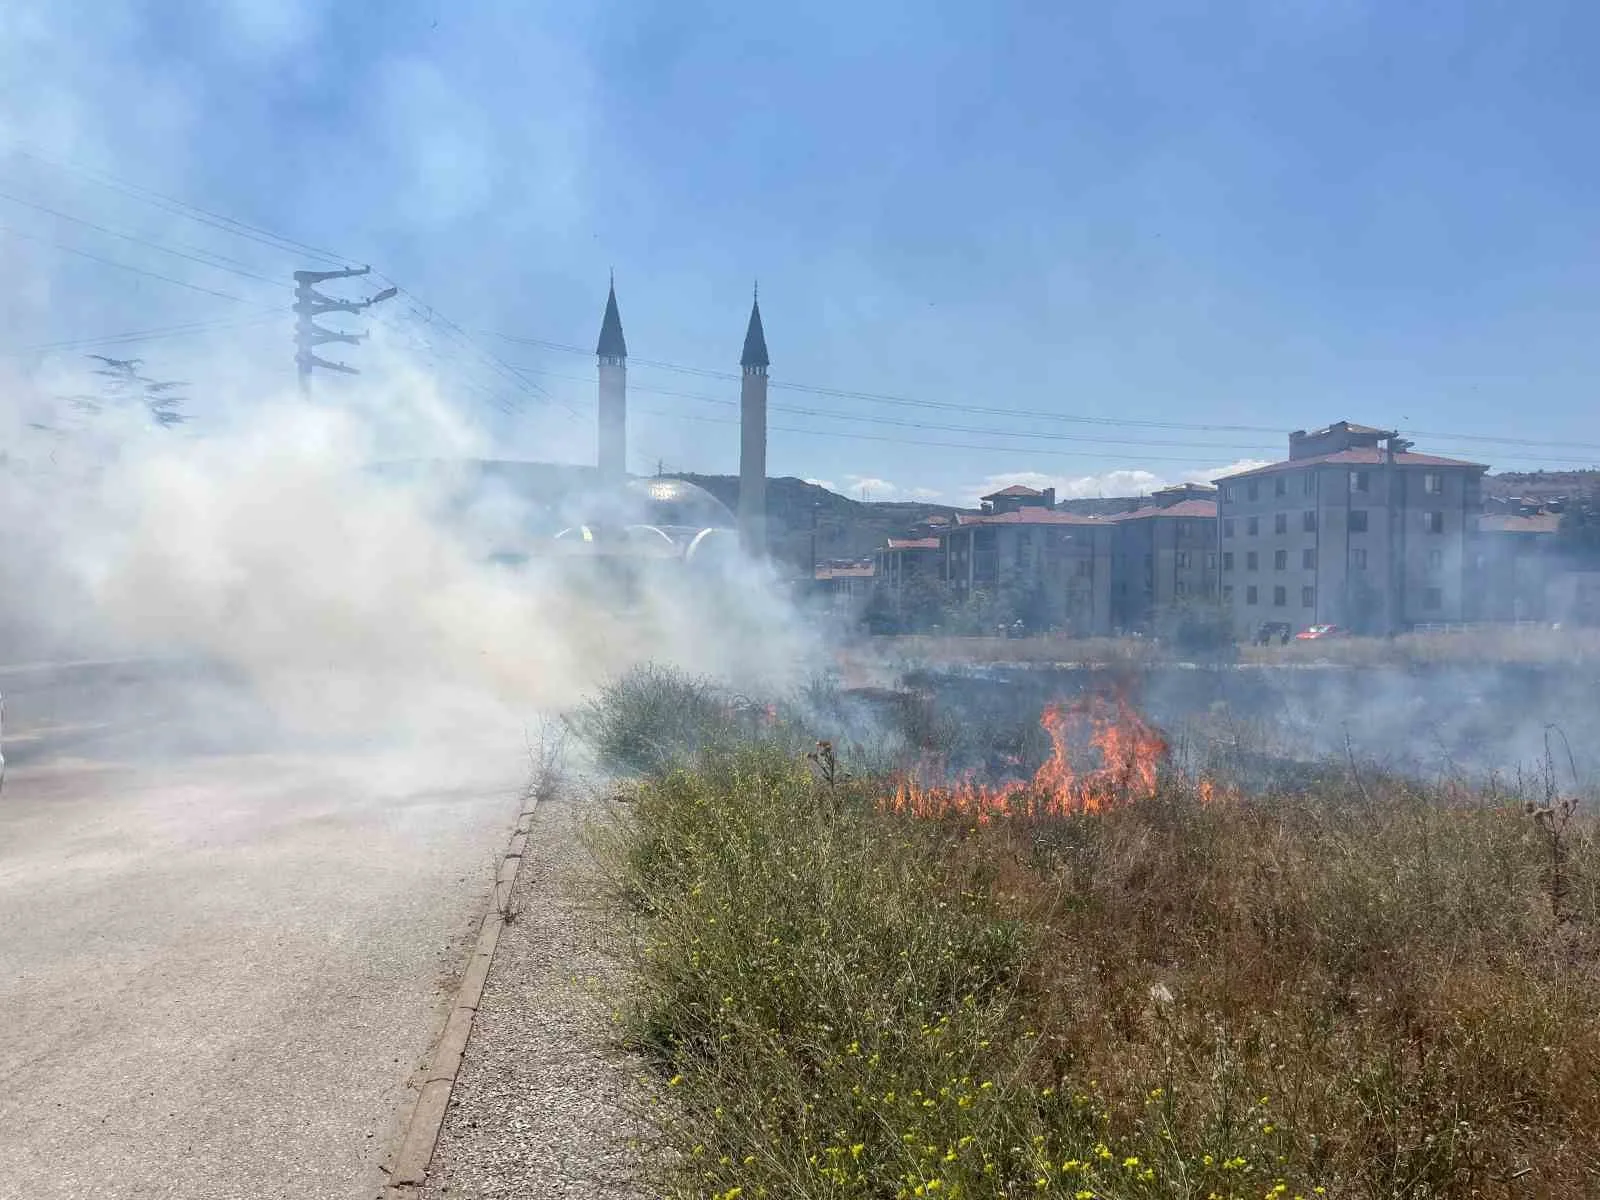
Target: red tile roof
(1518,523)
(1016,489)
(927,543)
(1028,516)
(1184,508)
(1357,456)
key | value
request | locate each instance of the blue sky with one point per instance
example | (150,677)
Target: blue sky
(1103,220)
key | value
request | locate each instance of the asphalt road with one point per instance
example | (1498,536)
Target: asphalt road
(220,962)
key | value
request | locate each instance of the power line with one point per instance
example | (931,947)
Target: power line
(428,313)
(838,416)
(1032,414)
(868,437)
(111,262)
(144,335)
(233,225)
(1199,447)
(128,237)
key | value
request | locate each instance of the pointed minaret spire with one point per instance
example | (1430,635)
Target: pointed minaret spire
(612,351)
(755,340)
(612,344)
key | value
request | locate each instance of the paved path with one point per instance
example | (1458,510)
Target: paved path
(218,971)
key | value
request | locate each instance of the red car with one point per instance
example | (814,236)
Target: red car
(1315,633)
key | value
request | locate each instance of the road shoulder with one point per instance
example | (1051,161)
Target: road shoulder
(543,1103)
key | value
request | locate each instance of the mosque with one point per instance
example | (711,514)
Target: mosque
(516,510)
(672,518)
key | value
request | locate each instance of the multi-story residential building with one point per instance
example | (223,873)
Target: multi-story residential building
(845,584)
(1056,563)
(1514,558)
(1164,555)
(904,560)
(1015,498)
(1352,529)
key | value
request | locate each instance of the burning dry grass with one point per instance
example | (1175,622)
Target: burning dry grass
(1102,753)
(1367,993)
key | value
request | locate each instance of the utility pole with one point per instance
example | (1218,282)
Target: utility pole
(309,304)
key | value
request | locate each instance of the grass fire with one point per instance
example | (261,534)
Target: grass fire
(1127,754)
(1091,982)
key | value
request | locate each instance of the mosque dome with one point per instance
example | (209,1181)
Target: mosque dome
(676,504)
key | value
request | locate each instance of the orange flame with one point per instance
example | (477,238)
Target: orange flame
(1130,753)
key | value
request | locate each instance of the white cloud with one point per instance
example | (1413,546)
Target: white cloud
(823,483)
(869,487)
(1136,482)
(1233,468)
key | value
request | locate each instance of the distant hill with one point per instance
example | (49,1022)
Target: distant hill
(1542,485)
(845,528)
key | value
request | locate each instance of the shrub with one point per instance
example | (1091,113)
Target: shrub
(1363,992)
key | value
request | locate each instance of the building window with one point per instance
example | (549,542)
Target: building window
(1227,560)
(1250,594)
(1309,483)
(1227,494)
(1432,599)
(1358,558)
(1308,559)
(1308,520)
(1252,490)
(1227,593)
(1250,561)
(1280,560)
(1308,597)
(1359,481)
(1435,559)
(1227,526)
(1183,559)
(1433,521)
(1253,527)
(1358,520)
(1280,597)
(1211,561)
(1279,486)
(1280,523)
(1180,589)
(1433,483)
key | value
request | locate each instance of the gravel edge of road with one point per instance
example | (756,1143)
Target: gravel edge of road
(545,1102)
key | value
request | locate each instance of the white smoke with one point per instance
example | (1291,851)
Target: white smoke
(270,547)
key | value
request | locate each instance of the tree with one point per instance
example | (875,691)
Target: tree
(1199,627)
(925,601)
(1578,537)
(878,615)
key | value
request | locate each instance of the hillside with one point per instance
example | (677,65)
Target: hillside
(1542,485)
(845,528)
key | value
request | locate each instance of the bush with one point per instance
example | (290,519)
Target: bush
(652,717)
(1366,993)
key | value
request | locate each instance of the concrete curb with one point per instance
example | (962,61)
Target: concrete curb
(409,1167)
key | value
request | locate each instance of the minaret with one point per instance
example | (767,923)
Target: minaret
(753,436)
(612,351)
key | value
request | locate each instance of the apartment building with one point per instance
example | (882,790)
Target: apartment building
(1514,559)
(1353,529)
(1030,551)
(1164,556)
